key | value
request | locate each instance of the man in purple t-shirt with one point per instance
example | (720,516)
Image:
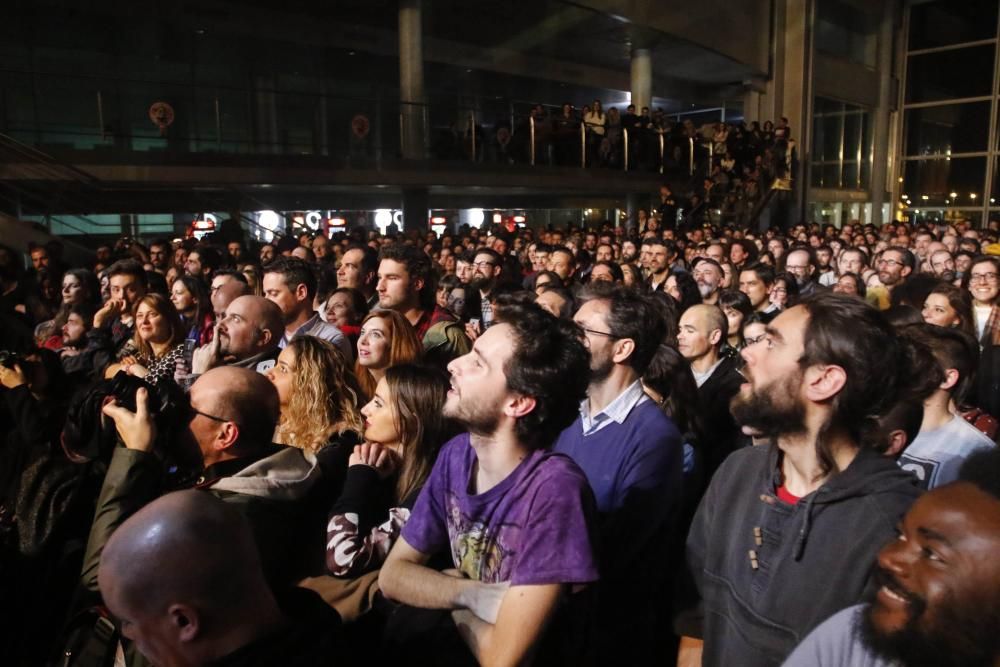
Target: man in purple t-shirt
(513,514)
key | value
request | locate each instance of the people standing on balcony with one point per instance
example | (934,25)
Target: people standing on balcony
(595,121)
(566,134)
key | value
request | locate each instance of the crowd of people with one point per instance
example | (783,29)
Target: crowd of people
(725,166)
(662,442)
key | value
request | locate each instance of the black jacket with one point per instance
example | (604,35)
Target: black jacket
(810,560)
(722,434)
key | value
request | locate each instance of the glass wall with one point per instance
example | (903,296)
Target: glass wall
(948,138)
(841,145)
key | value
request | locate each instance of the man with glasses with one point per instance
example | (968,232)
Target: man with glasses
(487,267)
(895,267)
(801,263)
(246,337)
(233,413)
(984,285)
(632,456)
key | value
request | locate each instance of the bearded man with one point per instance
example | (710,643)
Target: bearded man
(787,531)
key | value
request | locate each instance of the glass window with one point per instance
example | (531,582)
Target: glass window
(846,32)
(950,74)
(933,182)
(948,22)
(951,128)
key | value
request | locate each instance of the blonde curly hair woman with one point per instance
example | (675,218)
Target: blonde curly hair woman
(318,396)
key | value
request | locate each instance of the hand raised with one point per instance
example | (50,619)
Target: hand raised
(136,429)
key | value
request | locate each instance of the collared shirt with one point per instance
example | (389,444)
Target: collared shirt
(314,326)
(615,411)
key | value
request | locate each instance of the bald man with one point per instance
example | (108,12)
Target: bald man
(246,336)
(184,580)
(228,290)
(233,414)
(702,331)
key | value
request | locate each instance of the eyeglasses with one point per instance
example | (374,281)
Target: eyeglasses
(754,340)
(599,333)
(194,412)
(982,277)
(890,262)
(480,265)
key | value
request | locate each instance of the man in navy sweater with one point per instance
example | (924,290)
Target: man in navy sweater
(632,456)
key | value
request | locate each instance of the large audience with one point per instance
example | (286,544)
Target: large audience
(662,442)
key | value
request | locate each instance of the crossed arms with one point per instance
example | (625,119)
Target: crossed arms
(501,624)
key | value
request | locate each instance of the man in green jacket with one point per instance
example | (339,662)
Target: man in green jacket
(233,414)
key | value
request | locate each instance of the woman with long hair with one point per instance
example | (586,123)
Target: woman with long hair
(950,306)
(386,339)
(404,429)
(193,304)
(317,395)
(158,342)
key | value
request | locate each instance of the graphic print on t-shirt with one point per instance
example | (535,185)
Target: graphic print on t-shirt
(477,551)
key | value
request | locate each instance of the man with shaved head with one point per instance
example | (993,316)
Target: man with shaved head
(246,336)
(225,293)
(702,332)
(233,414)
(184,581)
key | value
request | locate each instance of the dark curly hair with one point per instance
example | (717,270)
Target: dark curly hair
(882,367)
(549,363)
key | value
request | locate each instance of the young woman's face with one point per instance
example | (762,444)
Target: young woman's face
(72,290)
(182,299)
(734,318)
(151,325)
(380,416)
(937,310)
(373,344)
(281,375)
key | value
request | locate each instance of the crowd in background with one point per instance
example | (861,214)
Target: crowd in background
(583,445)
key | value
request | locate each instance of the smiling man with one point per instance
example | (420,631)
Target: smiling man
(782,537)
(939,597)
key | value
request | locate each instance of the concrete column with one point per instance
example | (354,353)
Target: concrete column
(642,78)
(631,212)
(793,87)
(416,202)
(411,79)
(880,134)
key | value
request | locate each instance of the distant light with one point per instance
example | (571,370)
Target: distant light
(497,218)
(972,195)
(924,197)
(476,217)
(953,195)
(338,222)
(438,220)
(518,219)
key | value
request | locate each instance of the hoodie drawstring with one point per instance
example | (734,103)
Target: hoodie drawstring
(800,542)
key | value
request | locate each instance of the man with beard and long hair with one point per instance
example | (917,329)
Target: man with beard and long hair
(783,537)
(938,601)
(514,516)
(632,454)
